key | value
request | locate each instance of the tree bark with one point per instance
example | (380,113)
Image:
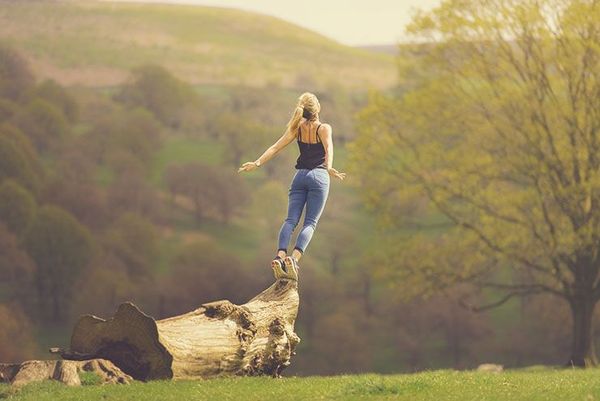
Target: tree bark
(582,348)
(217,339)
(19,374)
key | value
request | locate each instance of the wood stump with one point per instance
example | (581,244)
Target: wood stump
(67,372)
(217,339)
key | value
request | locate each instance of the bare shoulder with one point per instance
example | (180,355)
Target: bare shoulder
(326,129)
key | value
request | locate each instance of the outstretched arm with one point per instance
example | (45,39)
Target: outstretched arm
(281,143)
(327,140)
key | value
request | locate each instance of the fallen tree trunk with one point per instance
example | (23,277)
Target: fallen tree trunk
(218,338)
(67,372)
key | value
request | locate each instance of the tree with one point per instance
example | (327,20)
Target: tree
(200,272)
(17,207)
(55,94)
(8,110)
(243,137)
(216,339)
(213,191)
(14,164)
(15,75)
(137,133)
(499,134)
(24,145)
(43,122)
(17,341)
(131,193)
(135,241)
(17,271)
(71,184)
(61,248)
(164,95)
(228,194)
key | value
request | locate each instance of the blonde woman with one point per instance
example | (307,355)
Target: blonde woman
(310,185)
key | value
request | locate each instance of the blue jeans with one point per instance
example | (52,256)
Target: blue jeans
(310,188)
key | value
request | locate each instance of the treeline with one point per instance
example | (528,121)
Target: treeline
(80,220)
(95,210)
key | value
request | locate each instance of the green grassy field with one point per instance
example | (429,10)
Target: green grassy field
(96,43)
(542,385)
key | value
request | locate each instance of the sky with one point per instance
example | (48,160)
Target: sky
(351,22)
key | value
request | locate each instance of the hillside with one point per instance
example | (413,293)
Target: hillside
(95,43)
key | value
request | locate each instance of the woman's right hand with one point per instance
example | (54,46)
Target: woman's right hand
(248,166)
(334,173)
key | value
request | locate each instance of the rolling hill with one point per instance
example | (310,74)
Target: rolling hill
(96,43)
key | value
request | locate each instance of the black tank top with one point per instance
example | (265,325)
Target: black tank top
(312,155)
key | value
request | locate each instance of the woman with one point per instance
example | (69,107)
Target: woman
(310,185)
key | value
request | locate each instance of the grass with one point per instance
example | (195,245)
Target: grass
(96,43)
(539,384)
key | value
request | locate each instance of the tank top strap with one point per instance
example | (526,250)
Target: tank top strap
(317,133)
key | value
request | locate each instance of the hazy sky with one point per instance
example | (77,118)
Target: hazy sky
(352,22)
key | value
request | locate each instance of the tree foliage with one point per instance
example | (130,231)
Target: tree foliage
(154,88)
(14,164)
(15,76)
(55,94)
(216,192)
(17,207)
(499,135)
(61,248)
(43,122)
(134,240)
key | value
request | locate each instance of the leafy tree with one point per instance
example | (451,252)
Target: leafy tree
(61,248)
(201,272)
(243,137)
(17,207)
(135,241)
(498,135)
(269,205)
(24,145)
(14,164)
(123,138)
(43,122)
(228,193)
(15,75)
(55,94)
(17,271)
(154,88)
(130,192)
(213,191)
(17,341)
(8,110)
(137,132)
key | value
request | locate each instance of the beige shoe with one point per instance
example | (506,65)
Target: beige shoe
(290,268)
(278,267)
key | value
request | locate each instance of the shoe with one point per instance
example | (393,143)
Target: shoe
(278,267)
(290,268)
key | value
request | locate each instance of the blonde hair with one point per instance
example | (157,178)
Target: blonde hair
(307,102)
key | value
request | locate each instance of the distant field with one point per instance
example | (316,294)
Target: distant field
(540,385)
(96,43)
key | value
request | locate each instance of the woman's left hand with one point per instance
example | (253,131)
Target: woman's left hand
(334,173)
(248,166)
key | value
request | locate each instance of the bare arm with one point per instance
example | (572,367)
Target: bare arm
(271,151)
(326,137)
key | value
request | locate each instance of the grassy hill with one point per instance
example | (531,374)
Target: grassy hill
(542,385)
(96,43)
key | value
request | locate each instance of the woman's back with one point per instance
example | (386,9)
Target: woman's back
(312,151)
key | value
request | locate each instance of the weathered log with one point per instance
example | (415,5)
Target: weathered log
(217,339)
(67,372)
